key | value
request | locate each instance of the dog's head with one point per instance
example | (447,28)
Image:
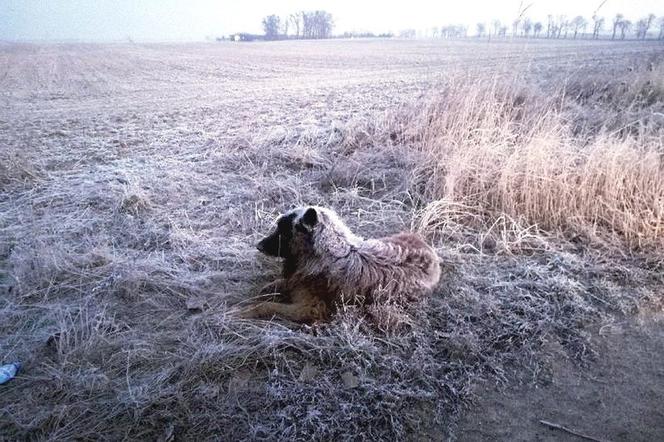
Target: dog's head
(288,232)
(309,229)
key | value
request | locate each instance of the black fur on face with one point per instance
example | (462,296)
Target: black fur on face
(278,242)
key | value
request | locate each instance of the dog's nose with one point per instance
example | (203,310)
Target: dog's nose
(260,247)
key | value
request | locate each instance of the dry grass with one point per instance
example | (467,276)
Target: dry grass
(498,149)
(119,265)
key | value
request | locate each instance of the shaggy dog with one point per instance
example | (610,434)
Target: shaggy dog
(325,264)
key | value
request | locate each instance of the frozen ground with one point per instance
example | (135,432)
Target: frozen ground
(135,180)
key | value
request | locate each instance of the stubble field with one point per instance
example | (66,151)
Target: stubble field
(136,179)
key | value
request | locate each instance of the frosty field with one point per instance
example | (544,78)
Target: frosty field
(135,180)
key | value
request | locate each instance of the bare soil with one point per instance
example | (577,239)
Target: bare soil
(618,396)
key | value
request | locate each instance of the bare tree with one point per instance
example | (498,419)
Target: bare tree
(317,24)
(556,26)
(324,24)
(598,24)
(271,26)
(651,18)
(526,26)
(625,26)
(616,24)
(550,26)
(643,25)
(496,24)
(481,29)
(515,27)
(578,24)
(537,29)
(435,32)
(521,13)
(307,24)
(296,21)
(563,26)
(661,28)
(453,31)
(639,28)
(284,27)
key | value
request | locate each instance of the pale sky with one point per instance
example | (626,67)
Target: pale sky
(170,20)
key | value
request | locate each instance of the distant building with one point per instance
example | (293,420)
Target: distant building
(244,36)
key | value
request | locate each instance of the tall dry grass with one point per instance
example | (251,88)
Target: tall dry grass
(496,148)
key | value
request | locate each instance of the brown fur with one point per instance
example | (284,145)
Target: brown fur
(327,265)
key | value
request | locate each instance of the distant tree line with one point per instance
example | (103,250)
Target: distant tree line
(562,27)
(555,27)
(303,24)
(448,31)
(319,24)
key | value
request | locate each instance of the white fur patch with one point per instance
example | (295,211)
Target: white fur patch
(330,217)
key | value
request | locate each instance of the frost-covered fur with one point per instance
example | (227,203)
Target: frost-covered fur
(326,264)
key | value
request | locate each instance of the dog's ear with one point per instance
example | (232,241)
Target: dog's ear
(310,217)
